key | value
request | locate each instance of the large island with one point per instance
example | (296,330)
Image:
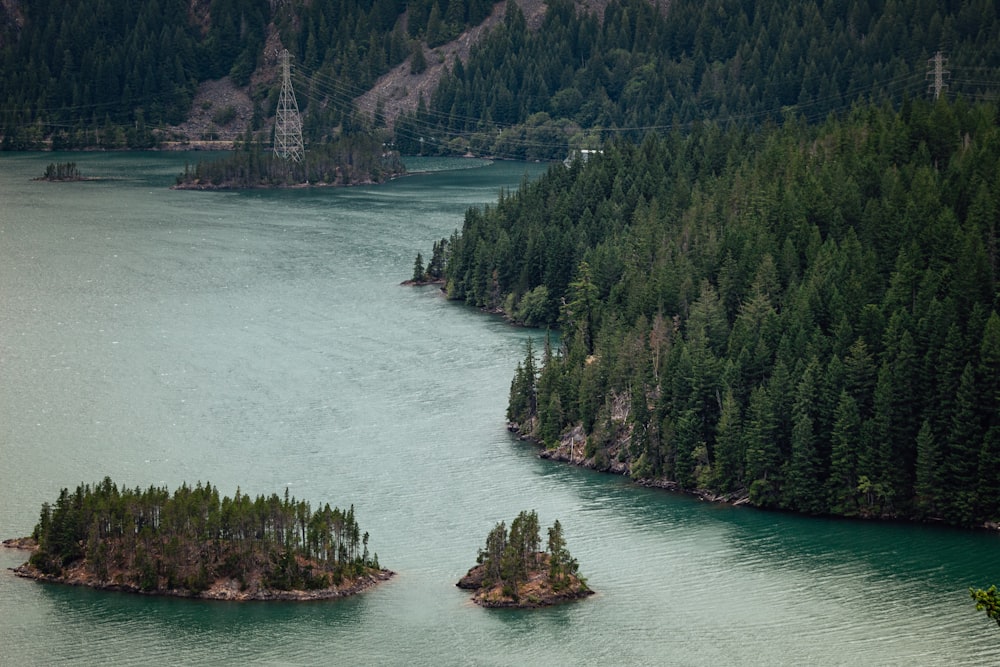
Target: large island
(194,544)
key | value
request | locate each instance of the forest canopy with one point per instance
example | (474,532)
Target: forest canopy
(806,316)
(117,74)
(106,73)
(153,540)
(638,66)
(346,160)
(513,571)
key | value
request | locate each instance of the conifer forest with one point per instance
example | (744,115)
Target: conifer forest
(156,541)
(774,277)
(803,314)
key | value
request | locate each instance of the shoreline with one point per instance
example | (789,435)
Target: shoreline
(564,453)
(226,589)
(537,594)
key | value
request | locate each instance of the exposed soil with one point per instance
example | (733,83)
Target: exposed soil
(215,100)
(536,592)
(221,589)
(399,91)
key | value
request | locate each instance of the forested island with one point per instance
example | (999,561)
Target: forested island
(194,543)
(61,172)
(801,317)
(511,571)
(354,160)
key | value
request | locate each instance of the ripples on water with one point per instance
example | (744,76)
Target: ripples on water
(261,340)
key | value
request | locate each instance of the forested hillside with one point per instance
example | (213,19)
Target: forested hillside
(807,315)
(107,72)
(647,66)
(115,74)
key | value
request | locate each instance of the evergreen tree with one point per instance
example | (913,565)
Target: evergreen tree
(419,274)
(928,487)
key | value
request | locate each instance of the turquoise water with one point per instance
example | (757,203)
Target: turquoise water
(262,340)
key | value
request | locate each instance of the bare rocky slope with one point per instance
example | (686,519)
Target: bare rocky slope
(398,91)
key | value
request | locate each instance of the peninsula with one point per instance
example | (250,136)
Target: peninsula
(513,573)
(192,543)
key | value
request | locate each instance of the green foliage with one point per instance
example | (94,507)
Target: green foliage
(522,405)
(224,116)
(509,559)
(348,160)
(987,600)
(64,171)
(638,65)
(418,61)
(419,273)
(191,537)
(115,73)
(803,315)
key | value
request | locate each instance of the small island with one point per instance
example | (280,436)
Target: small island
(61,173)
(513,573)
(194,543)
(348,160)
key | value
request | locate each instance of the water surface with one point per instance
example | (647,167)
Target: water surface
(262,340)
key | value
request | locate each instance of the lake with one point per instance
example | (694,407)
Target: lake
(262,341)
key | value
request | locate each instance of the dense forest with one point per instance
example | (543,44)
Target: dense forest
(345,160)
(583,77)
(804,315)
(156,541)
(115,74)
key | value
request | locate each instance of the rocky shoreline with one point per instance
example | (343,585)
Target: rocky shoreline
(534,594)
(227,589)
(571,449)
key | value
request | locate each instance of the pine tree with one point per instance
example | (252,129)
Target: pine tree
(419,274)
(763,460)
(928,486)
(492,556)
(802,473)
(730,452)
(522,405)
(843,480)
(988,488)
(962,452)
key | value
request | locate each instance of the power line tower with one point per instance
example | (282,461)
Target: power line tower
(287,124)
(936,73)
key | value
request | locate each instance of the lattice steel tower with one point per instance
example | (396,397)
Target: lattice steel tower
(937,73)
(287,124)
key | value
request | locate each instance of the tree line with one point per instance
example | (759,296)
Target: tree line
(803,315)
(584,76)
(346,160)
(110,73)
(509,558)
(113,74)
(154,539)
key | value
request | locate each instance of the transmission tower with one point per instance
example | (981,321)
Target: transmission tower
(936,73)
(287,124)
